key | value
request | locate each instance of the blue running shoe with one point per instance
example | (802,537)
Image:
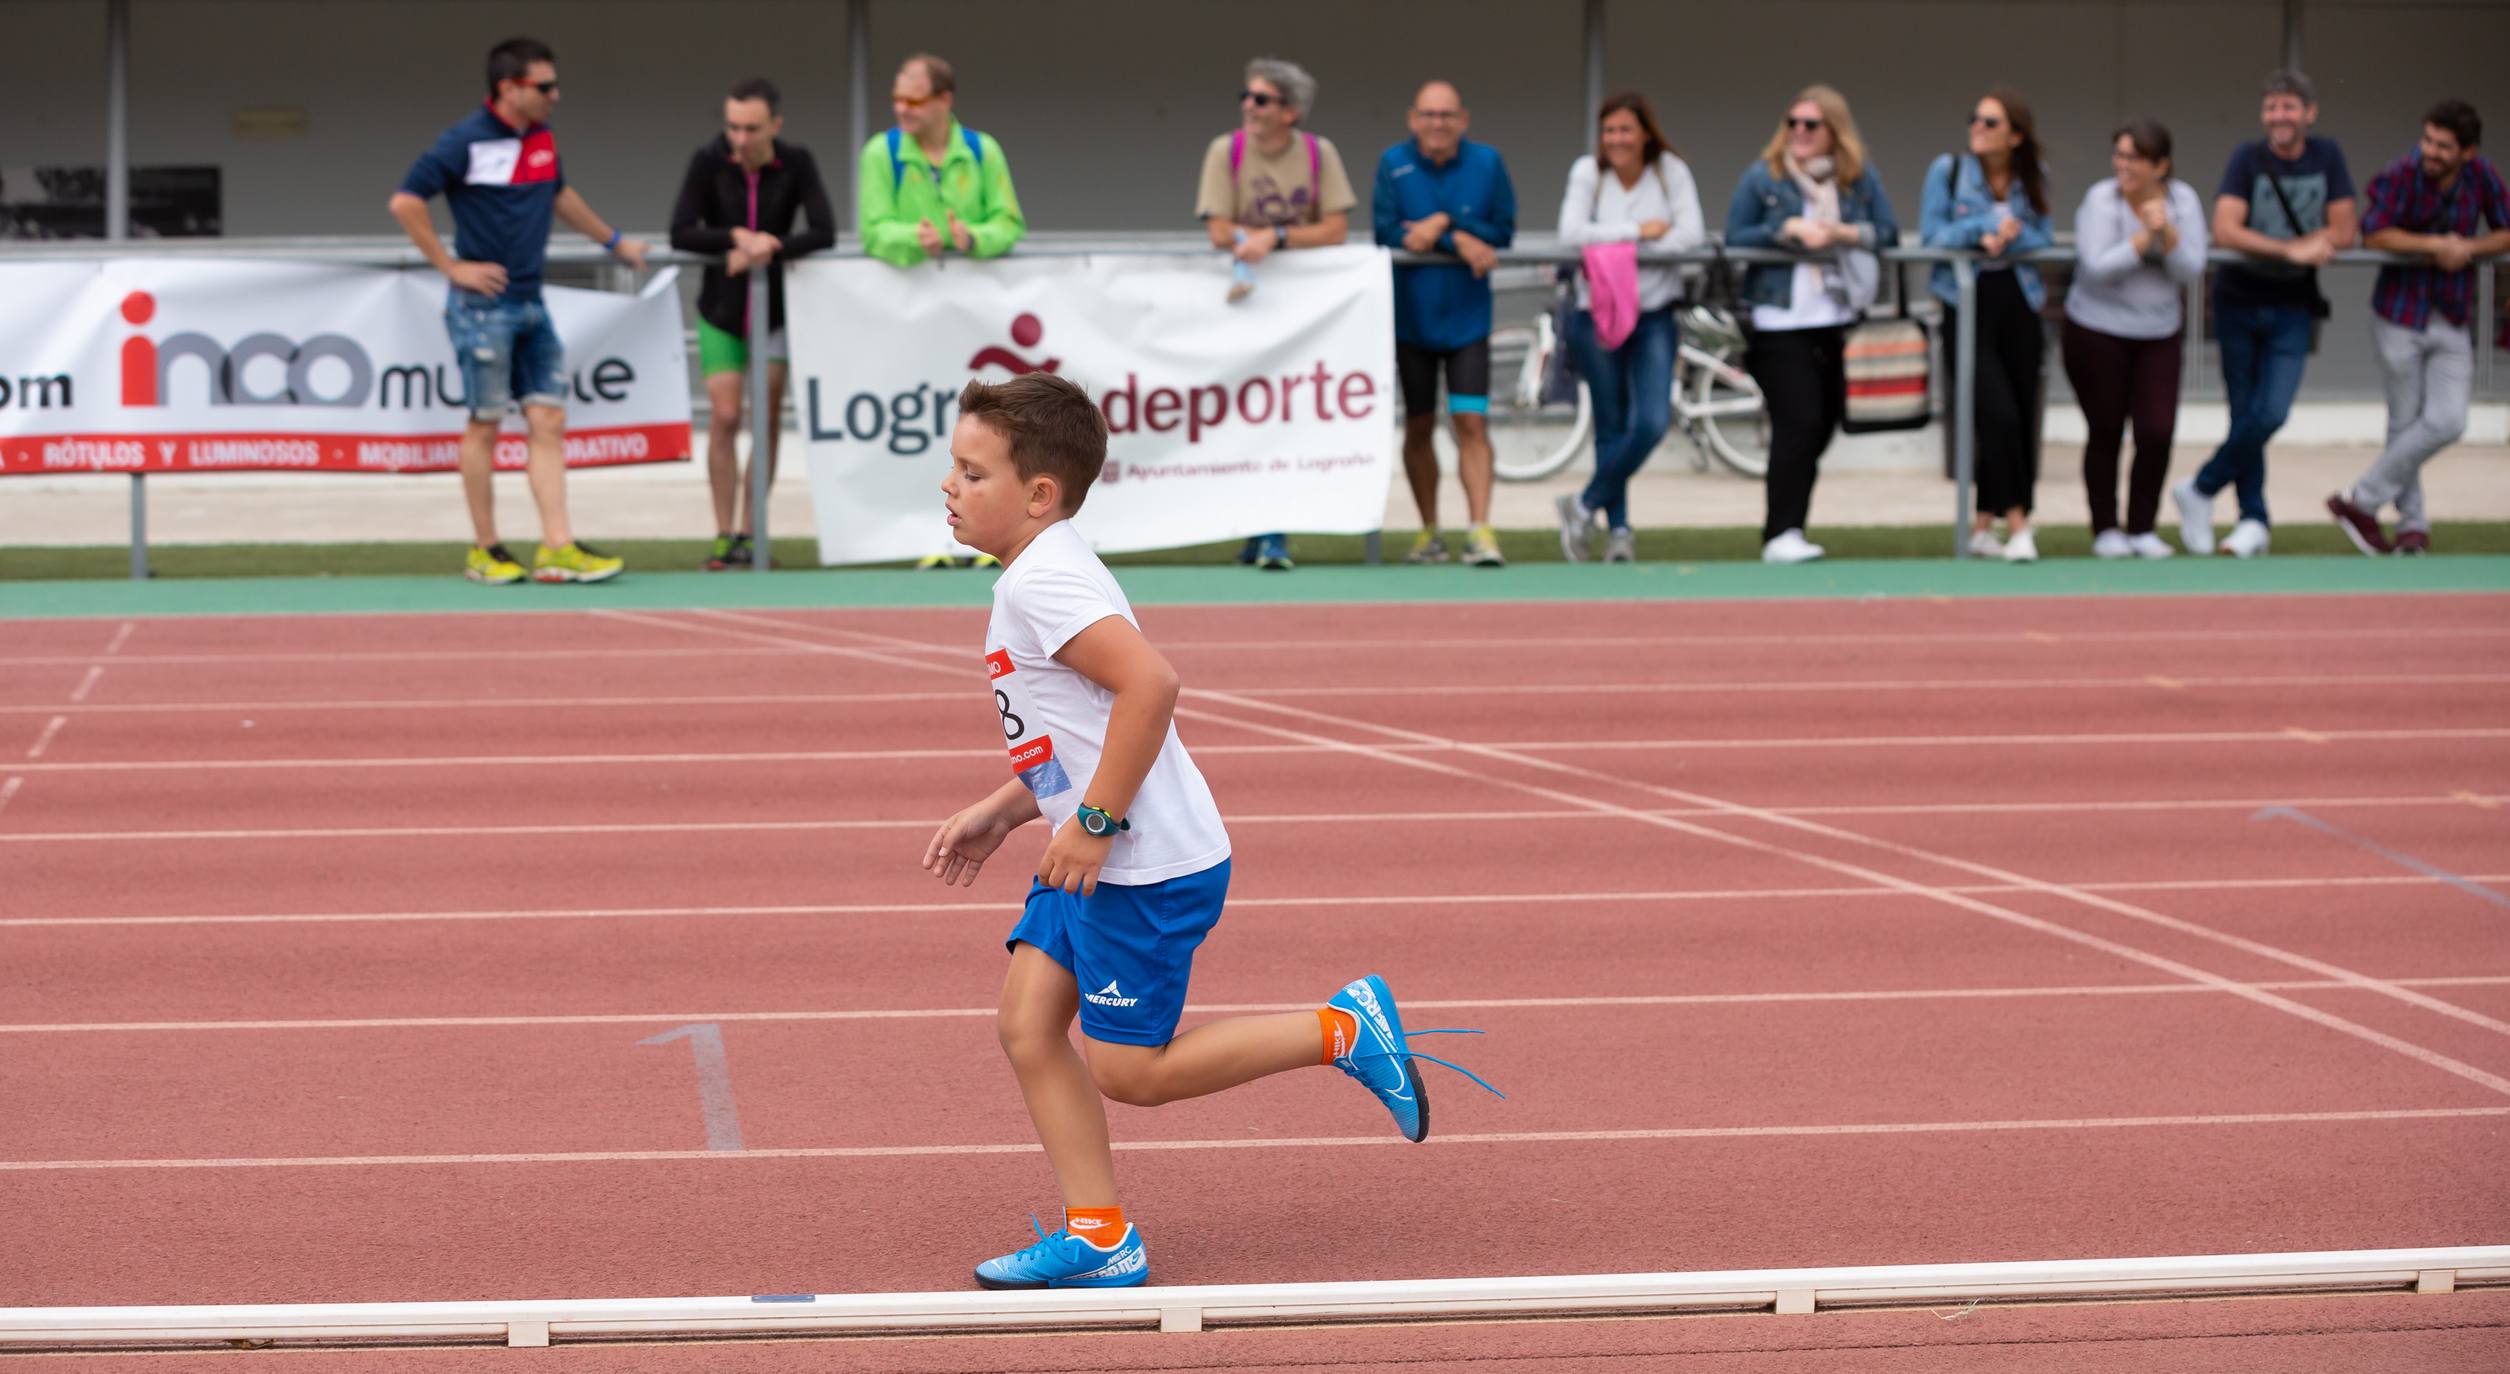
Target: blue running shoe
(1381,1055)
(1064,1260)
(1249,551)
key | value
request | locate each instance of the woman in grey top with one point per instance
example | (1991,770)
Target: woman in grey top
(2139,241)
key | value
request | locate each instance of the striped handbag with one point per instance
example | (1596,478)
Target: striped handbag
(1890,367)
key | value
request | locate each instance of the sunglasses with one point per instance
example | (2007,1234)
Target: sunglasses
(1807,125)
(1262,100)
(544,87)
(913,102)
(1980,121)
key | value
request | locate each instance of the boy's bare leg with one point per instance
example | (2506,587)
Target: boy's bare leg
(1039,1001)
(547,472)
(1206,1059)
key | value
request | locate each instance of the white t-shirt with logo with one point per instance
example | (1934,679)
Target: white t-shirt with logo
(1054,720)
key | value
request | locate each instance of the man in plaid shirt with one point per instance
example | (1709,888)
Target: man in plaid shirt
(2434,204)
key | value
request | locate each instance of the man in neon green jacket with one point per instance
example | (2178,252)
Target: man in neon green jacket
(930,185)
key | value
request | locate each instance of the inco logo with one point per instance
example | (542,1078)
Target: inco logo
(909,422)
(1109,997)
(148,371)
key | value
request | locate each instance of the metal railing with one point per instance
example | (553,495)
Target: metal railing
(1532,250)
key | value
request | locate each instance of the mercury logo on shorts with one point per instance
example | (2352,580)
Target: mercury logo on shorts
(1108,996)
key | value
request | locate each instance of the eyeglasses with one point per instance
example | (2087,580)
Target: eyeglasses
(1980,121)
(1807,125)
(913,102)
(545,87)
(1438,114)
(1262,100)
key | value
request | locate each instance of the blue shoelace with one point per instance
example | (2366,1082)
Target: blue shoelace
(1414,1054)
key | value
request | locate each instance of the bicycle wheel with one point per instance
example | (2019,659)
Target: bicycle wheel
(1733,418)
(1530,440)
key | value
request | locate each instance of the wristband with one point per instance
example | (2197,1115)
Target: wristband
(612,245)
(1281,236)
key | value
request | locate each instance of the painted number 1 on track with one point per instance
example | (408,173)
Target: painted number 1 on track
(714,1081)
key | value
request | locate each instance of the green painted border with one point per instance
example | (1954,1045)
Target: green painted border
(1314,585)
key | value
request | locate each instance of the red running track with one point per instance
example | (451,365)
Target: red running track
(1806,933)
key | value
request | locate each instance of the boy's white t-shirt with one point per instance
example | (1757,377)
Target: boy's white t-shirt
(1054,720)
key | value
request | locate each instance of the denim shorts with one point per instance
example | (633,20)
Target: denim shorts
(507,352)
(1130,948)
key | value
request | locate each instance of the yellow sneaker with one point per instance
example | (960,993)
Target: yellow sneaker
(1481,548)
(577,562)
(492,565)
(985,560)
(931,561)
(1427,547)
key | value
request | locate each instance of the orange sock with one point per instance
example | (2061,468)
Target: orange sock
(1100,1226)
(1338,1027)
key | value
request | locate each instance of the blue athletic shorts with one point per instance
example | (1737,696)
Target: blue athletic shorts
(1130,948)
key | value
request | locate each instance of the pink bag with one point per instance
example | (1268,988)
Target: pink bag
(1612,290)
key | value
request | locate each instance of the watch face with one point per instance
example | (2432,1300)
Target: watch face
(1094,823)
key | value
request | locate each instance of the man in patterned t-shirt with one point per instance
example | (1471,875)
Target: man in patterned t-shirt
(2287,202)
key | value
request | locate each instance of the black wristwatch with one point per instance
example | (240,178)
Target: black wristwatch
(1281,236)
(1098,822)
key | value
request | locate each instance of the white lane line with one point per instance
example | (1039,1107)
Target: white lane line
(121,637)
(1742,811)
(1338,901)
(7,790)
(86,684)
(805,824)
(1930,686)
(44,740)
(2284,737)
(2118,949)
(2090,1123)
(2228,634)
(1700,999)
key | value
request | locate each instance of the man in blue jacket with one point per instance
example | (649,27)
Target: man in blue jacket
(1439,192)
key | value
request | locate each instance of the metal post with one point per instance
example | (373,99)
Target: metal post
(2194,357)
(858,57)
(762,423)
(2485,329)
(1594,71)
(2292,35)
(118,211)
(1964,400)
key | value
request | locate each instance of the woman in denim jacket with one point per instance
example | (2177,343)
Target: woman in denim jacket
(1812,193)
(1994,199)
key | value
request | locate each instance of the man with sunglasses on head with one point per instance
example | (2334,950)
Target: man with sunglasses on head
(2286,201)
(738,202)
(929,186)
(1270,185)
(499,173)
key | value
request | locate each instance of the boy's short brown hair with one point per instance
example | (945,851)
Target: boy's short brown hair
(1053,427)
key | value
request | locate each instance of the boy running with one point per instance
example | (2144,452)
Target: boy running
(1138,866)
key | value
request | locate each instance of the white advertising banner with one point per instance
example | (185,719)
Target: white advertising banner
(1224,420)
(205,365)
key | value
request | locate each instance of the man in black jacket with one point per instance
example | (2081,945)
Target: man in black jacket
(739,201)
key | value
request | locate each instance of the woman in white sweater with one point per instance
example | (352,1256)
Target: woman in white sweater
(2139,241)
(1634,189)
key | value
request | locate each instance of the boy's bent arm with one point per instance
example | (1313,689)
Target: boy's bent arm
(1113,654)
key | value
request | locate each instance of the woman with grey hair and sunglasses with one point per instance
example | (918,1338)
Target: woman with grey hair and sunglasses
(1269,185)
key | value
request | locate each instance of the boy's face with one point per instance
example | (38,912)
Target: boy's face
(991,509)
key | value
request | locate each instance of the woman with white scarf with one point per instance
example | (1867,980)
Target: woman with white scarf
(1812,193)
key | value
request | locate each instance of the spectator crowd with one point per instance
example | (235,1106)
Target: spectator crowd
(930,187)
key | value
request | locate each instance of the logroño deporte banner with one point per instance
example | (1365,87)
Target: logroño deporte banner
(212,365)
(1224,420)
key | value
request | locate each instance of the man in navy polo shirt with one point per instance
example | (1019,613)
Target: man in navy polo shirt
(1438,191)
(499,172)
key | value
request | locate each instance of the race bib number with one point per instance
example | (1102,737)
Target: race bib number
(1032,749)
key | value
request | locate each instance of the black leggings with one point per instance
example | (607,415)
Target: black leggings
(1804,382)
(2117,380)
(2011,347)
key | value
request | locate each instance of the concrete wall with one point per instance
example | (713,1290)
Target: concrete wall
(1104,105)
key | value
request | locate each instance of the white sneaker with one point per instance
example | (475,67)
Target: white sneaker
(2196,517)
(2022,548)
(2248,539)
(2113,544)
(1985,544)
(2148,545)
(1790,547)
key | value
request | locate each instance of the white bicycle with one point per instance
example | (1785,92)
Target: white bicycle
(1716,404)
